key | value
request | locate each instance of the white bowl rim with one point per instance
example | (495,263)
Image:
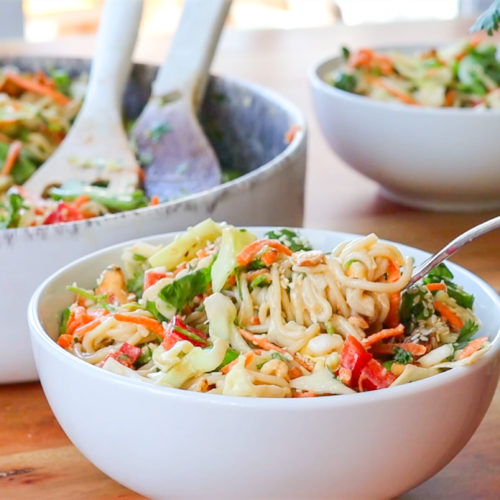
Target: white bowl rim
(448,377)
(298,139)
(318,82)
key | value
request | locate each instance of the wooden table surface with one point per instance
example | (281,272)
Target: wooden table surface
(38,461)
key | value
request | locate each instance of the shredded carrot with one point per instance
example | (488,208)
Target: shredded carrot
(38,88)
(292,131)
(368,59)
(140,174)
(65,340)
(270,257)
(269,346)
(449,98)
(81,200)
(254,274)
(231,281)
(294,372)
(387,349)
(302,362)
(434,287)
(305,394)
(77,318)
(473,42)
(261,342)
(472,347)
(12,156)
(250,251)
(393,272)
(448,314)
(155,200)
(41,77)
(227,368)
(407,99)
(82,330)
(150,323)
(249,356)
(255,320)
(383,334)
(361,58)
(383,63)
(202,253)
(81,300)
(5,138)
(392,318)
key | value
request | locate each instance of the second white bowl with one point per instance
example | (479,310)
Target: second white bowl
(430,158)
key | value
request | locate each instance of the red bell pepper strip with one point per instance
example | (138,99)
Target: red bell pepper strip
(131,351)
(127,355)
(152,276)
(177,330)
(374,376)
(63,213)
(354,358)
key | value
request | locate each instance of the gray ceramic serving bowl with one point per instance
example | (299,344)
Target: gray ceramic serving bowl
(246,125)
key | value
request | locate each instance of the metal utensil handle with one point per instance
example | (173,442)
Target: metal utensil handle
(452,247)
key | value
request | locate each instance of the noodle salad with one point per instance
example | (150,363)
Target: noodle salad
(222,311)
(463,75)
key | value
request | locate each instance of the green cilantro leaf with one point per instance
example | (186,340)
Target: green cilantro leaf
(402,355)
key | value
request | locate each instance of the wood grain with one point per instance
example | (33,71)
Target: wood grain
(22,474)
(36,458)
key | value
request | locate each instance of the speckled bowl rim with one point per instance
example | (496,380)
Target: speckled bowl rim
(453,376)
(316,79)
(239,184)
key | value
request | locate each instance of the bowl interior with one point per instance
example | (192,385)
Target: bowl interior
(246,127)
(52,297)
(324,68)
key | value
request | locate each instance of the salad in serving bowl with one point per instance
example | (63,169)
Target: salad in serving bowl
(465,74)
(37,109)
(222,311)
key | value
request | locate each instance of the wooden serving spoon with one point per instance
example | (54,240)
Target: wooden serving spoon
(97,147)
(171,144)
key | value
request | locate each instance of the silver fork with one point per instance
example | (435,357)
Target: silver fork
(453,247)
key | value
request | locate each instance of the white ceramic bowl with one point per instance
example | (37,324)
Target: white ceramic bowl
(170,443)
(430,158)
(247,125)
